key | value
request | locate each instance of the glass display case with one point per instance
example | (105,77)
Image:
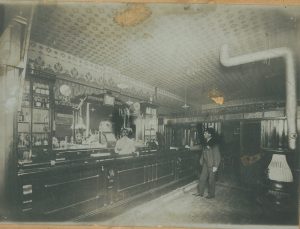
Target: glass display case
(24,125)
(35,116)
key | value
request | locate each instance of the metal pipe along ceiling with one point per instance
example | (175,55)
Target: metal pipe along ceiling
(291,97)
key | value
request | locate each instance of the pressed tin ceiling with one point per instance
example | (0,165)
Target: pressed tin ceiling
(176,46)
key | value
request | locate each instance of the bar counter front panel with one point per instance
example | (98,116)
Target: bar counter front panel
(61,190)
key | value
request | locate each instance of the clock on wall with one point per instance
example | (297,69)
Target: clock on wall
(65,90)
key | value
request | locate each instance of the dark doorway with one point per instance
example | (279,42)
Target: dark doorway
(230,150)
(251,157)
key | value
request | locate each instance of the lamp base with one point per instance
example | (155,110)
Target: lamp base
(279,195)
(277,202)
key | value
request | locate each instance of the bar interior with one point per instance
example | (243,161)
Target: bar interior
(105,104)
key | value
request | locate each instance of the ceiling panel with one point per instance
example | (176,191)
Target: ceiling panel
(177,46)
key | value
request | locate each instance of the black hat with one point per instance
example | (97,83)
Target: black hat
(125,130)
(210,130)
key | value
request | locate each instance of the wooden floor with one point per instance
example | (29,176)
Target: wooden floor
(179,208)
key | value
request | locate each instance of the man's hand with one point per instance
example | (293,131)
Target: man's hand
(215,169)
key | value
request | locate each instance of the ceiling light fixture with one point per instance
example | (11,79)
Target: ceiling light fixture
(129,102)
(216,96)
(133,15)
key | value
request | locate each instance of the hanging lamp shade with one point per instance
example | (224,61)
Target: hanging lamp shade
(185,106)
(279,169)
(129,102)
(73,125)
(80,124)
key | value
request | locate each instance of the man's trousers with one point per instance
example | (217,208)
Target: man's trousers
(207,174)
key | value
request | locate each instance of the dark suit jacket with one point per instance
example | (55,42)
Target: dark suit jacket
(211,155)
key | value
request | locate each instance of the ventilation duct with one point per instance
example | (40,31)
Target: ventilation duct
(291,97)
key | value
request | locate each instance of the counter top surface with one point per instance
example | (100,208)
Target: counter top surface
(93,158)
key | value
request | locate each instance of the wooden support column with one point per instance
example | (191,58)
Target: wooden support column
(13,51)
(10,48)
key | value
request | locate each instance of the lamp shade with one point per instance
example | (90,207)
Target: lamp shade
(279,169)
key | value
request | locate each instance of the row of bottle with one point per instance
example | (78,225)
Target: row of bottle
(150,110)
(23,140)
(40,102)
(26,100)
(39,117)
(40,88)
(40,140)
(62,143)
(37,140)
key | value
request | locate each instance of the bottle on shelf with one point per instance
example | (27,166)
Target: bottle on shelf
(21,140)
(26,116)
(21,116)
(46,127)
(27,155)
(43,103)
(27,140)
(26,101)
(45,140)
(47,104)
(34,88)
(35,101)
(26,89)
(36,91)
(38,102)
(33,140)
(46,119)
(39,141)
(42,89)
(47,89)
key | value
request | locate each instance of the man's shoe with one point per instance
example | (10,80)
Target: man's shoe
(197,194)
(209,197)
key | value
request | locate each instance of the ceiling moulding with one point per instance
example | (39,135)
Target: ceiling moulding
(278,114)
(105,77)
(248,106)
(234,103)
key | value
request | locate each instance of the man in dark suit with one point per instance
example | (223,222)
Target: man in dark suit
(209,160)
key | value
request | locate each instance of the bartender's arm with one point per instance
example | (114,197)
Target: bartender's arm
(118,147)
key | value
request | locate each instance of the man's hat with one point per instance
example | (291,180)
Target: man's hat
(125,130)
(210,130)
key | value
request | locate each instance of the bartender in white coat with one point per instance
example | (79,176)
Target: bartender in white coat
(125,145)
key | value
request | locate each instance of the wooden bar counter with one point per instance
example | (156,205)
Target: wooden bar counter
(79,182)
